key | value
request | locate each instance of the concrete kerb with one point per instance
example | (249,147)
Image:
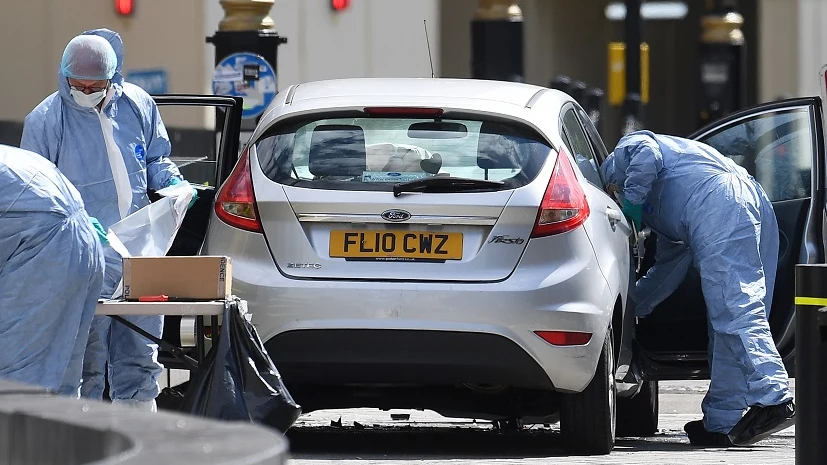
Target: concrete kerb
(40,428)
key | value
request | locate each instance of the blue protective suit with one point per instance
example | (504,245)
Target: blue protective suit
(51,272)
(112,156)
(708,211)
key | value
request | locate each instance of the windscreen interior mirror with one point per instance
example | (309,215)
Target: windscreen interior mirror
(437,130)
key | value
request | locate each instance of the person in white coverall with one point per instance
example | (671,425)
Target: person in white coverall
(51,272)
(107,137)
(709,212)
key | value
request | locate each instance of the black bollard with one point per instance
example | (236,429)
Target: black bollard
(811,364)
(497,43)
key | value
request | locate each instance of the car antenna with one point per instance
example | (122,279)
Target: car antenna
(428,42)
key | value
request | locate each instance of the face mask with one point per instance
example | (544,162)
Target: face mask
(87,100)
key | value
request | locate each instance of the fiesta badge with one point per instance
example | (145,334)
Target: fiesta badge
(396,215)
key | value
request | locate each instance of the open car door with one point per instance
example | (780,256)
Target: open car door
(782,145)
(206,161)
(205,158)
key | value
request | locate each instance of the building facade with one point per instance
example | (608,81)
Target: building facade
(374,38)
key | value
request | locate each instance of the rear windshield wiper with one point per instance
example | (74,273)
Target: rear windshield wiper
(444,184)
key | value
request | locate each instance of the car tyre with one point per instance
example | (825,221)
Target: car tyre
(638,416)
(588,418)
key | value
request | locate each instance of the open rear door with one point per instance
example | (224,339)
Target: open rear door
(205,155)
(782,145)
(206,164)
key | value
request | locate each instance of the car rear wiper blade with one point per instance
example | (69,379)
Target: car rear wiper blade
(443,184)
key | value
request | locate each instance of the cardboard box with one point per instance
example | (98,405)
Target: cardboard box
(201,277)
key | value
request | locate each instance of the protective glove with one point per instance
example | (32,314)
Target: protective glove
(634,213)
(174,181)
(99,229)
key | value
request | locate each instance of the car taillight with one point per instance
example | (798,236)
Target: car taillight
(565,338)
(564,206)
(236,203)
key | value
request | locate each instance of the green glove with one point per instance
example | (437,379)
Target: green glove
(194,198)
(174,181)
(634,213)
(99,229)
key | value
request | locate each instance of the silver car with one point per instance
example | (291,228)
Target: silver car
(437,243)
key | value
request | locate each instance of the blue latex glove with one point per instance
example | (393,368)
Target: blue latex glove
(634,213)
(174,181)
(99,229)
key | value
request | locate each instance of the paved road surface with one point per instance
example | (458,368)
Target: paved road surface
(371,437)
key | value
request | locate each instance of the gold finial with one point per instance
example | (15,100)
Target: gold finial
(722,28)
(503,10)
(246,15)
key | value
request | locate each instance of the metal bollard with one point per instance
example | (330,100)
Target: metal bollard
(811,364)
(497,41)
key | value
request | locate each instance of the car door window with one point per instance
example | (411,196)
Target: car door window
(580,147)
(775,147)
(205,151)
(594,137)
(194,149)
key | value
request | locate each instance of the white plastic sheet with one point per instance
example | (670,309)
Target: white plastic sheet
(150,231)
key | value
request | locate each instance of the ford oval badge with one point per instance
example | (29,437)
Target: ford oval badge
(396,215)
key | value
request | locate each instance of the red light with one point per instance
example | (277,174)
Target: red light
(236,202)
(404,111)
(339,5)
(564,206)
(124,7)
(565,338)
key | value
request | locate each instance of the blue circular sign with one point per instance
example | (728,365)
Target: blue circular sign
(249,76)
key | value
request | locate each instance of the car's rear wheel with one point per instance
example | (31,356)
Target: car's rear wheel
(587,419)
(638,416)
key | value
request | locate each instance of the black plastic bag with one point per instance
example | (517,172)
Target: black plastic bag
(238,380)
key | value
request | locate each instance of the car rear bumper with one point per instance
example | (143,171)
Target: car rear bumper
(402,357)
(428,333)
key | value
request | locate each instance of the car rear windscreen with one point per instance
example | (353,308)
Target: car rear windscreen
(373,153)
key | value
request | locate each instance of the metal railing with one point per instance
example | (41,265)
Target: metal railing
(591,99)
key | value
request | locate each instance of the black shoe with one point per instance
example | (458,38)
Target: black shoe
(699,436)
(760,422)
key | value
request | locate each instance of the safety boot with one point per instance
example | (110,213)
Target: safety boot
(699,436)
(760,422)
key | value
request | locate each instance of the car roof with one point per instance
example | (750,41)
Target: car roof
(511,99)
(426,88)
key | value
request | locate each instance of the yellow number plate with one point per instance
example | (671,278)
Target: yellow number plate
(396,245)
